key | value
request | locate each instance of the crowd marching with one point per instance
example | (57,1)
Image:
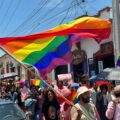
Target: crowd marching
(90,102)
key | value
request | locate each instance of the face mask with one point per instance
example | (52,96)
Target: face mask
(85,100)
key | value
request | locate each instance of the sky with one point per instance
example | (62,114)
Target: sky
(25,17)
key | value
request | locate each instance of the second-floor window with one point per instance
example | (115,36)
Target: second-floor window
(2,71)
(12,69)
(7,67)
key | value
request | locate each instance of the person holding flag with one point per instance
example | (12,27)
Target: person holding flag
(84,110)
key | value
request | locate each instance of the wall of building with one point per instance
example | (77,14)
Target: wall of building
(106,15)
(9,73)
(90,46)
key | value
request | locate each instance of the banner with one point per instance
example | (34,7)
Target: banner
(66,78)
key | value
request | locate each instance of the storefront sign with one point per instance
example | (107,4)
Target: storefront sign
(92,71)
(117,82)
(90,61)
(100,66)
(106,47)
(79,56)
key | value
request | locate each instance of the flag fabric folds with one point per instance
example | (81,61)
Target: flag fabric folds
(52,48)
(74,96)
(39,83)
(118,61)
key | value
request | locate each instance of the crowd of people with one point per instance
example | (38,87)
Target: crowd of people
(50,103)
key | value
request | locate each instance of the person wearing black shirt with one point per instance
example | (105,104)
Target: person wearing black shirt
(51,107)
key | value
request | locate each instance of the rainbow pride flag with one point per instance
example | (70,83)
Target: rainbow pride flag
(118,61)
(39,83)
(52,48)
(74,97)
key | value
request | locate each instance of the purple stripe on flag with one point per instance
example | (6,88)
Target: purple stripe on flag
(118,62)
(66,59)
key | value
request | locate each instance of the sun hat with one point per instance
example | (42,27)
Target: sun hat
(116,92)
(82,90)
(116,89)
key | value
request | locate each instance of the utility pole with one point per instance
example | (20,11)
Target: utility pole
(116,28)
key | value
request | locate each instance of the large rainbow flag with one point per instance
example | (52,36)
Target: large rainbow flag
(49,49)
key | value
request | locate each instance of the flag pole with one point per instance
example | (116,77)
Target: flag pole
(71,103)
(30,71)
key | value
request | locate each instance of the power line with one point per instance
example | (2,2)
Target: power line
(37,24)
(56,15)
(43,20)
(83,6)
(75,11)
(66,13)
(6,12)
(78,4)
(93,8)
(35,12)
(22,28)
(10,19)
(47,24)
(51,10)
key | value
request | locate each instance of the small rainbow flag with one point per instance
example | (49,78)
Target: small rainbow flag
(52,48)
(74,96)
(38,83)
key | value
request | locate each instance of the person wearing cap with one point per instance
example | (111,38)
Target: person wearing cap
(113,109)
(84,110)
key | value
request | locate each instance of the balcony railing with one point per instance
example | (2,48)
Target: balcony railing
(6,75)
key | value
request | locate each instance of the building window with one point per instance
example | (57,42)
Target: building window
(31,74)
(61,70)
(12,69)
(7,67)
(2,71)
(1,65)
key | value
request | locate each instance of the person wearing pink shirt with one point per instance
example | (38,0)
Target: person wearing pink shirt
(113,109)
(65,107)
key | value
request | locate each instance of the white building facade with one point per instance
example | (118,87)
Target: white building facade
(11,70)
(89,56)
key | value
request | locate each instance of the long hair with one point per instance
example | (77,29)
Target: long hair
(46,101)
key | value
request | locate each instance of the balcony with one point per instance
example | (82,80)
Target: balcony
(7,75)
